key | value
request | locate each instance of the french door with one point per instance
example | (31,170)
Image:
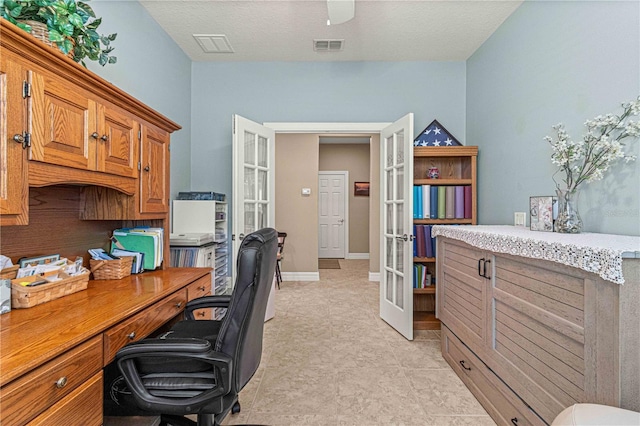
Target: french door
(253,180)
(396,239)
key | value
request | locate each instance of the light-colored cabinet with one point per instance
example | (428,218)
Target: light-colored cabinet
(552,333)
(14,203)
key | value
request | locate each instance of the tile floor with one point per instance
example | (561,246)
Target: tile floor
(330,360)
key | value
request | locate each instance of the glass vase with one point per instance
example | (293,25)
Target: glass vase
(568,221)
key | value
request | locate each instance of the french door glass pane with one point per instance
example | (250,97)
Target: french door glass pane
(263,156)
(399,255)
(262,215)
(389,290)
(249,183)
(389,221)
(249,148)
(389,252)
(399,219)
(400,184)
(399,291)
(390,184)
(389,147)
(262,185)
(249,218)
(400,146)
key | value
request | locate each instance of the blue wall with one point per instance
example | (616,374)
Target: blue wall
(553,62)
(152,68)
(314,92)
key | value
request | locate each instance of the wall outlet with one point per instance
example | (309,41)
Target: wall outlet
(520,219)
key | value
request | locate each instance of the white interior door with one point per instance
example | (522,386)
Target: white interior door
(396,259)
(332,214)
(253,203)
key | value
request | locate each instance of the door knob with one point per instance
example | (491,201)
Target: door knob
(94,135)
(341,220)
(147,168)
(404,237)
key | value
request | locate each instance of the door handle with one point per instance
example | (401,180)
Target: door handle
(341,220)
(404,237)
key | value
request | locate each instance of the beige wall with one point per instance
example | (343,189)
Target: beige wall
(374,205)
(353,158)
(297,215)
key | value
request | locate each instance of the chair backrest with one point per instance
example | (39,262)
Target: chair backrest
(241,332)
(281,238)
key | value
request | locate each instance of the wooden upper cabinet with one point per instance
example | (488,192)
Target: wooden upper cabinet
(117,141)
(14,192)
(70,128)
(154,176)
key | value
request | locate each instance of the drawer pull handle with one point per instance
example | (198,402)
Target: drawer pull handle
(484,273)
(464,366)
(203,288)
(179,305)
(132,335)
(514,421)
(480,261)
(61,382)
(201,314)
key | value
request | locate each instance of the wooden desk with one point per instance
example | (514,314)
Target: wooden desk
(51,355)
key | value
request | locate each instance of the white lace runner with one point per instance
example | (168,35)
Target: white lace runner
(598,253)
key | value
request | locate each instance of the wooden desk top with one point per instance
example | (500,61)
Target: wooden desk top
(33,336)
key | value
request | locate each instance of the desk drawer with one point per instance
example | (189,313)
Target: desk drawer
(83,407)
(501,403)
(26,397)
(142,324)
(199,288)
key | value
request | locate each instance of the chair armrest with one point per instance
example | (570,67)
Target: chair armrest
(205,302)
(133,356)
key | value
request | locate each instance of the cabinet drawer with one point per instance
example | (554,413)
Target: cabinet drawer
(26,397)
(83,406)
(500,402)
(142,324)
(201,287)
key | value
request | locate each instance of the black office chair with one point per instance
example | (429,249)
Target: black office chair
(199,367)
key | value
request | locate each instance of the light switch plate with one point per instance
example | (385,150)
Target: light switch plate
(520,219)
(306,191)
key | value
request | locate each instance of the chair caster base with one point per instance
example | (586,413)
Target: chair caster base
(236,408)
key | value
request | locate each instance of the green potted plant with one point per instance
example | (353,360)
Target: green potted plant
(71,24)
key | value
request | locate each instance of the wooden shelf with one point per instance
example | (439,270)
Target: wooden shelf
(425,321)
(441,182)
(427,290)
(424,259)
(443,221)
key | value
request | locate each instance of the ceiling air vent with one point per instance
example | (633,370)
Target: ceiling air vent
(334,45)
(214,43)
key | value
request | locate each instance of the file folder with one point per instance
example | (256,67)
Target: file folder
(143,242)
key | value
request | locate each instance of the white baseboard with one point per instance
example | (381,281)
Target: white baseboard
(358,256)
(300,276)
(374,276)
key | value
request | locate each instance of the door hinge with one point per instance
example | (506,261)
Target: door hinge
(233,237)
(169,147)
(139,166)
(26,89)
(139,135)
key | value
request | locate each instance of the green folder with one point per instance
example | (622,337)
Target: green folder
(138,241)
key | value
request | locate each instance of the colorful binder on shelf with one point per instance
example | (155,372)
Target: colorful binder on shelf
(148,241)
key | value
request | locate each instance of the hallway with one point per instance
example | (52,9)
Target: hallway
(330,360)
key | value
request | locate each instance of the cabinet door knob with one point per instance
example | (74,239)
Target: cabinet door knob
(104,138)
(95,135)
(464,366)
(61,382)
(147,168)
(131,335)
(18,138)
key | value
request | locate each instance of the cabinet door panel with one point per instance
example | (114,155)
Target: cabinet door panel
(118,147)
(61,119)
(14,202)
(154,174)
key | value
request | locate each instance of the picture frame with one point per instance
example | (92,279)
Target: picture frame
(39,260)
(361,189)
(544,212)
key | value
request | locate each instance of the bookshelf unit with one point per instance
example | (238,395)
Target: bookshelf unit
(457,167)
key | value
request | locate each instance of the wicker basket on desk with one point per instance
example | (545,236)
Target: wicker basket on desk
(111,269)
(26,297)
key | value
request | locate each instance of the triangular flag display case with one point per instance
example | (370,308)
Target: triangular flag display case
(435,135)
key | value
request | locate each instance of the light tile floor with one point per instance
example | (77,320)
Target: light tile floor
(329,359)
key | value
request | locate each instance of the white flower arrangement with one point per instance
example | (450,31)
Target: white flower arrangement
(588,159)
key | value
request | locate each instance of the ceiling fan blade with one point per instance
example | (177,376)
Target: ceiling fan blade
(340,11)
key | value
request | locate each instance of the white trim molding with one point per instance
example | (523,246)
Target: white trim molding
(300,276)
(374,276)
(359,256)
(326,127)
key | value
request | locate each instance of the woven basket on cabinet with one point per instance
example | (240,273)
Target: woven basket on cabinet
(40,31)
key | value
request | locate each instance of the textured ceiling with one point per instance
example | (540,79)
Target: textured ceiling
(382,30)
